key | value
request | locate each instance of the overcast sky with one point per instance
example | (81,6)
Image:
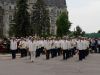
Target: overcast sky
(85,13)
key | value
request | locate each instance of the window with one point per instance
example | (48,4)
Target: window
(9,7)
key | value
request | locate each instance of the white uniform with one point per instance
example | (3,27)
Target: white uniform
(52,43)
(64,44)
(73,43)
(23,44)
(13,44)
(84,45)
(47,45)
(58,44)
(69,44)
(79,45)
(39,44)
(32,45)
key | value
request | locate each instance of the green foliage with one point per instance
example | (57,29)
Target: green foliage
(83,33)
(63,24)
(79,32)
(22,25)
(40,19)
(98,31)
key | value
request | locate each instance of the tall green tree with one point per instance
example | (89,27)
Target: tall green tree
(83,33)
(63,24)
(40,19)
(78,32)
(22,25)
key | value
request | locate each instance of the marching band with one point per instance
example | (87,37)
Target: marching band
(52,47)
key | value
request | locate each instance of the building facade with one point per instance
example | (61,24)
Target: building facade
(7,8)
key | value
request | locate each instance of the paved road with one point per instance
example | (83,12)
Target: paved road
(55,66)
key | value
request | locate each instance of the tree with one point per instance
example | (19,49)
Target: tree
(63,24)
(79,32)
(99,31)
(83,33)
(40,19)
(22,25)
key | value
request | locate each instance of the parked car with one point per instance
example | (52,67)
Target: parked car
(1,46)
(4,46)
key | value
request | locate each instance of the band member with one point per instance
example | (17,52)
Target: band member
(13,47)
(32,45)
(58,47)
(53,48)
(64,46)
(23,47)
(80,49)
(47,47)
(38,50)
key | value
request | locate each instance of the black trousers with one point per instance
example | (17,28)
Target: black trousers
(47,54)
(52,51)
(38,52)
(87,52)
(23,52)
(99,48)
(13,54)
(65,54)
(81,54)
(55,52)
(42,50)
(84,53)
(74,50)
(59,51)
(70,52)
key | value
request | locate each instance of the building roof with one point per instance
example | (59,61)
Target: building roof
(93,35)
(8,1)
(57,3)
